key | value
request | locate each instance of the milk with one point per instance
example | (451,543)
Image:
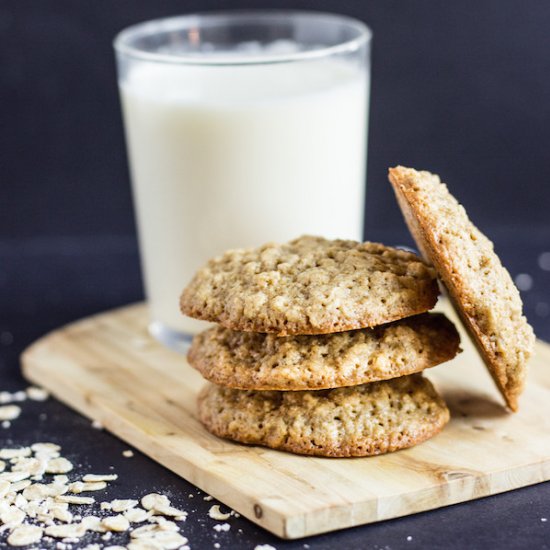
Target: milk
(224,157)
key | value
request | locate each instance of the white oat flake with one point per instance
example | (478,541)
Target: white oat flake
(154,501)
(137,515)
(116,523)
(24,497)
(99,477)
(25,534)
(9,412)
(21,452)
(12,516)
(46,448)
(58,465)
(37,394)
(216,513)
(70,499)
(71,530)
(78,487)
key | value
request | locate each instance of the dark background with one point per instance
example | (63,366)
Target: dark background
(460,88)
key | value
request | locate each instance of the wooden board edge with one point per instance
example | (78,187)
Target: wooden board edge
(476,487)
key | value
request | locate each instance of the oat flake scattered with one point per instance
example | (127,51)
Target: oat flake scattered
(100,477)
(25,534)
(82,487)
(222,527)
(37,394)
(58,465)
(154,501)
(137,515)
(216,513)
(116,523)
(21,452)
(70,499)
(36,499)
(123,505)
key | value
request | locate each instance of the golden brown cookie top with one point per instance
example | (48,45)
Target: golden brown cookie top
(249,360)
(310,285)
(361,420)
(480,287)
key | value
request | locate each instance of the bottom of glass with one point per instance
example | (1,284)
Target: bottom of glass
(173,339)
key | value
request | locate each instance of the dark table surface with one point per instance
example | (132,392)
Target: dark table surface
(45,283)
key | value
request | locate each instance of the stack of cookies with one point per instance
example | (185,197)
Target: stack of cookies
(320,347)
(321,344)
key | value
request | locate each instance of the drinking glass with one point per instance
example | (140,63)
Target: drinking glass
(241,128)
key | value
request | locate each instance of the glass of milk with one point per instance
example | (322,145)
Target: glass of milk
(241,128)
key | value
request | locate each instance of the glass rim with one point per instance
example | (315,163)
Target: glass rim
(122,42)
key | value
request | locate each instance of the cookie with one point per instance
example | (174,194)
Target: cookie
(480,287)
(255,361)
(364,420)
(310,286)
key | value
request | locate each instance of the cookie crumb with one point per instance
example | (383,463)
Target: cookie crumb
(128,453)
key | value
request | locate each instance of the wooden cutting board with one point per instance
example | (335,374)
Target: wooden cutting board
(109,368)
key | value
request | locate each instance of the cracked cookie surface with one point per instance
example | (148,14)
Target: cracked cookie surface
(310,286)
(364,420)
(248,360)
(480,287)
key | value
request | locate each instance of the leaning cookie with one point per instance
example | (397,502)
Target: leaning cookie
(255,361)
(480,287)
(362,420)
(310,286)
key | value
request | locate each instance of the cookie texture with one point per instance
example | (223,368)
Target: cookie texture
(310,286)
(247,360)
(364,420)
(480,287)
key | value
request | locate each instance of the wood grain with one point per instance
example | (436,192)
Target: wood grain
(109,368)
